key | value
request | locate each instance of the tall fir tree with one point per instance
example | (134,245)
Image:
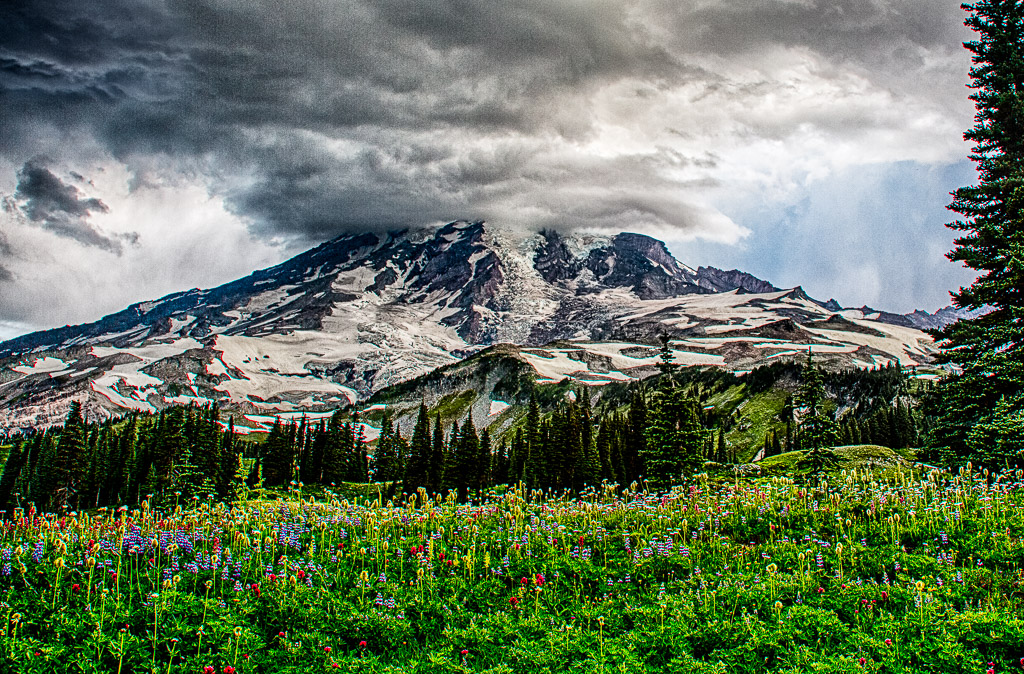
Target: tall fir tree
(71,464)
(277,456)
(11,472)
(435,465)
(979,408)
(818,429)
(467,459)
(229,464)
(416,468)
(385,458)
(817,426)
(484,458)
(518,458)
(673,436)
(634,447)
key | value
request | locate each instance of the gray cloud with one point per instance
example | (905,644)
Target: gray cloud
(61,208)
(313,117)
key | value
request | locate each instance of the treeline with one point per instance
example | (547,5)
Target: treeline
(185,452)
(566,449)
(180,453)
(894,425)
(657,433)
(91,464)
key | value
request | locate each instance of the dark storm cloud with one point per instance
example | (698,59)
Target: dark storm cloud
(59,207)
(5,252)
(318,115)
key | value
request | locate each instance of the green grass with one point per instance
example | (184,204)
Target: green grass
(869,573)
(454,406)
(757,417)
(850,456)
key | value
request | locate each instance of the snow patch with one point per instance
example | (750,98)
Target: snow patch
(43,365)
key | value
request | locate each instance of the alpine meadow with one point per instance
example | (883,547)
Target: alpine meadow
(530,440)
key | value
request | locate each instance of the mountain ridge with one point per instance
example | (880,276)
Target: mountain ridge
(354,315)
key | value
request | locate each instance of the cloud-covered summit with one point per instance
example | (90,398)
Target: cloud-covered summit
(307,118)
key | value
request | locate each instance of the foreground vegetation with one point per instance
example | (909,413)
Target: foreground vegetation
(866,573)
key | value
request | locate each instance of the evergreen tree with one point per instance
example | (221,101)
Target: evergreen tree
(484,460)
(303,449)
(818,429)
(71,464)
(976,405)
(168,446)
(385,458)
(518,458)
(534,473)
(11,472)
(435,466)
(604,449)
(188,478)
(337,450)
(359,463)
(467,460)
(673,436)
(666,359)
(226,484)
(817,426)
(419,453)
(634,447)
(500,465)
(277,456)
(43,484)
(314,471)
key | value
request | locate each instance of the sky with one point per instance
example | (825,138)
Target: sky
(152,146)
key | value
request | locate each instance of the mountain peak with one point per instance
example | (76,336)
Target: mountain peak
(367,310)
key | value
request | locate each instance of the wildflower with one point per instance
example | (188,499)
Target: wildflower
(362,644)
(209,669)
(862,661)
(464,652)
(888,642)
(327,649)
(76,587)
(229,670)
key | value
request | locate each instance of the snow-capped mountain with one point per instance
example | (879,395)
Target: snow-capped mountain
(362,312)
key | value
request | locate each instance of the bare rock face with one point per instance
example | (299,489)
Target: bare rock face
(718,280)
(362,312)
